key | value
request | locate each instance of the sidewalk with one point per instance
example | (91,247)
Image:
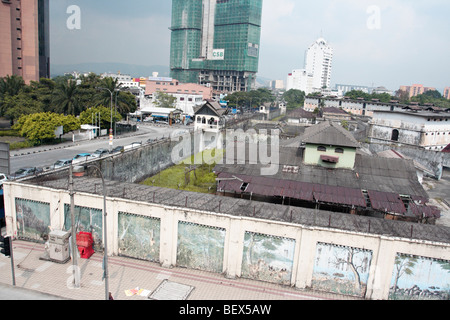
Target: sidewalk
(126,274)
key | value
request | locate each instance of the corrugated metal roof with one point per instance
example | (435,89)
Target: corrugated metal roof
(385,201)
(266,186)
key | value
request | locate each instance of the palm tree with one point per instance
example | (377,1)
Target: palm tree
(11,85)
(124,101)
(66,99)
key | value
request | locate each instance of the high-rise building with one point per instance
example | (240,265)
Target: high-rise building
(24,39)
(216,43)
(316,74)
(446,94)
(416,89)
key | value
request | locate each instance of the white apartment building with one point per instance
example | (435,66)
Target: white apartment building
(317,69)
(125,80)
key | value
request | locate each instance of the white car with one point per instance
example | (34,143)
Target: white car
(3,178)
(81,157)
(62,163)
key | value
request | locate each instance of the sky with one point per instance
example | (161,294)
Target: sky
(376,42)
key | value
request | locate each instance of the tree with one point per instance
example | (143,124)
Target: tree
(66,98)
(125,101)
(294,98)
(105,116)
(21,104)
(40,127)
(11,85)
(42,91)
(164,100)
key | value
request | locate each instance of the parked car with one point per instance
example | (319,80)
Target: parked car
(133,145)
(118,149)
(3,178)
(81,157)
(100,153)
(23,172)
(62,163)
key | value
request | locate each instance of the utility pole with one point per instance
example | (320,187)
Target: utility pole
(76,276)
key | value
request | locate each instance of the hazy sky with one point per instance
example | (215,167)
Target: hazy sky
(376,42)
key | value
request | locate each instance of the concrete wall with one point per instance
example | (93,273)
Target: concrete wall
(431,159)
(383,249)
(138,164)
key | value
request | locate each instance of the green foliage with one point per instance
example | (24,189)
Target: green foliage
(89,115)
(251,99)
(354,94)
(66,98)
(432,97)
(40,127)
(164,100)
(62,94)
(294,98)
(21,104)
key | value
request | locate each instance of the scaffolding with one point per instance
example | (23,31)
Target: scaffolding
(234,33)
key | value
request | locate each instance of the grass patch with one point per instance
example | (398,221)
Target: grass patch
(189,176)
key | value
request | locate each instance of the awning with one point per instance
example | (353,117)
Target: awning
(160,115)
(327,158)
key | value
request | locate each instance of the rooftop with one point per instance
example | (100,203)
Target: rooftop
(329,133)
(215,204)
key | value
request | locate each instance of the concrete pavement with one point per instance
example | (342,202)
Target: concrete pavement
(126,274)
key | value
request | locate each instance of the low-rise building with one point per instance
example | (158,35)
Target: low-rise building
(323,169)
(412,126)
(188,95)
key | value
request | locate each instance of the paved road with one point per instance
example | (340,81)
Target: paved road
(47,155)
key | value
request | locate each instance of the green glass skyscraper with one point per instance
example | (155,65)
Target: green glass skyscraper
(216,43)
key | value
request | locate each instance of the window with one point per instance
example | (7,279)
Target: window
(394,136)
(339,150)
(321,148)
(244,186)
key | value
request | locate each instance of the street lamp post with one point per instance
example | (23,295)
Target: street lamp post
(110,127)
(105,234)
(105,230)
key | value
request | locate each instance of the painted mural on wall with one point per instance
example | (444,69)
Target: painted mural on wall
(200,246)
(86,220)
(341,269)
(420,278)
(268,258)
(33,219)
(139,236)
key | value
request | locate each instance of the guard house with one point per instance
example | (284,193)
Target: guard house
(209,119)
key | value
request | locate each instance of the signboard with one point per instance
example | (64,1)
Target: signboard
(4,158)
(59,131)
(218,54)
